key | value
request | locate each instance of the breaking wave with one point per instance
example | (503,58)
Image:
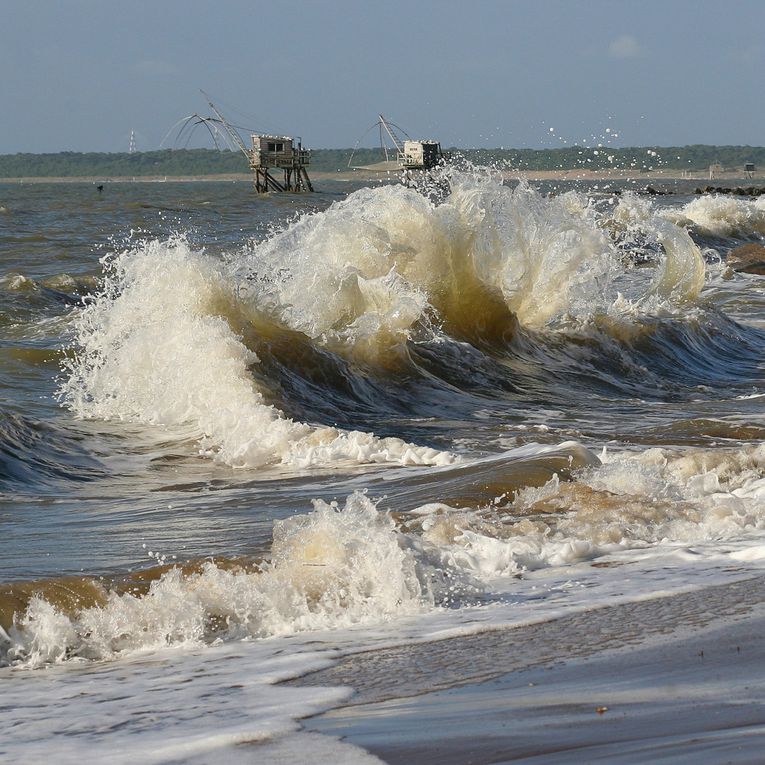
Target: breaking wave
(722,216)
(175,336)
(160,346)
(355,564)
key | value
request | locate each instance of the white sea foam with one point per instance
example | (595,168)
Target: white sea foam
(634,501)
(332,568)
(660,495)
(663,511)
(721,215)
(159,346)
(220,705)
(221,702)
(170,340)
(338,567)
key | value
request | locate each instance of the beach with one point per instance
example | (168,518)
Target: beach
(664,680)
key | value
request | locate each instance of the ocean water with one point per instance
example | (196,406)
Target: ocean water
(243,436)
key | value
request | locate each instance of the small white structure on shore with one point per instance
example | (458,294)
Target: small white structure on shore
(410,154)
(420,155)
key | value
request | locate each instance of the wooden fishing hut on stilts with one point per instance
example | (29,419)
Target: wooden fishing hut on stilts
(267,153)
(278,152)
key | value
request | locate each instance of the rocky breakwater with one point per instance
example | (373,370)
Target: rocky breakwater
(742,191)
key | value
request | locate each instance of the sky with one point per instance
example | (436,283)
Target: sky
(80,75)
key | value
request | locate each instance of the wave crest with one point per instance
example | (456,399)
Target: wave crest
(158,346)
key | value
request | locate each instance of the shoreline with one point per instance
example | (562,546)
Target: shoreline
(370,175)
(669,679)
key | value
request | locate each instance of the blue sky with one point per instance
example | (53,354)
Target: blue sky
(80,75)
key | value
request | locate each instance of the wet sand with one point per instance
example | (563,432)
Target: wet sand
(664,680)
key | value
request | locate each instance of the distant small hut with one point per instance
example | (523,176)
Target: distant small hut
(749,169)
(406,154)
(420,155)
(278,152)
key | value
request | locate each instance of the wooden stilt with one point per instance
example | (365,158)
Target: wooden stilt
(273,184)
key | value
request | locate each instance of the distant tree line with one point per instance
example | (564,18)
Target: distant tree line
(67,164)
(180,162)
(695,157)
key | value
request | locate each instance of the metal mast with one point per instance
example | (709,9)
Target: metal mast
(233,134)
(388,126)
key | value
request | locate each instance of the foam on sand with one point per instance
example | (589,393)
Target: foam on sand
(665,680)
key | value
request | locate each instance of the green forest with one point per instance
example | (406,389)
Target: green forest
(186,162)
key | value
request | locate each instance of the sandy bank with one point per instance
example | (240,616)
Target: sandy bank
(363,175)
(701,178)
(665,680)
(98,179)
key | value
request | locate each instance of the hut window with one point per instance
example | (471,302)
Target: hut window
(276,147)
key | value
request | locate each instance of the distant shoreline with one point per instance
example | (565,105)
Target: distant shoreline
(99,179)
(562,163)
(575,174)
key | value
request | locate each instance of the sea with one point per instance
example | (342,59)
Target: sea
(243,436)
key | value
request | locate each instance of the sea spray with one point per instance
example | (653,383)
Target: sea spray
(332,568)
(641,230)
(355,564)
(545,259)
(681,273)
(157,346)
(721,216)
(171,339)
(376,260)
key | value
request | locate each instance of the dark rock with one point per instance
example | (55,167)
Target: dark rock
(748,259)
(742,191)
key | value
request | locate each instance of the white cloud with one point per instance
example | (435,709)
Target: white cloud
(624,46)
